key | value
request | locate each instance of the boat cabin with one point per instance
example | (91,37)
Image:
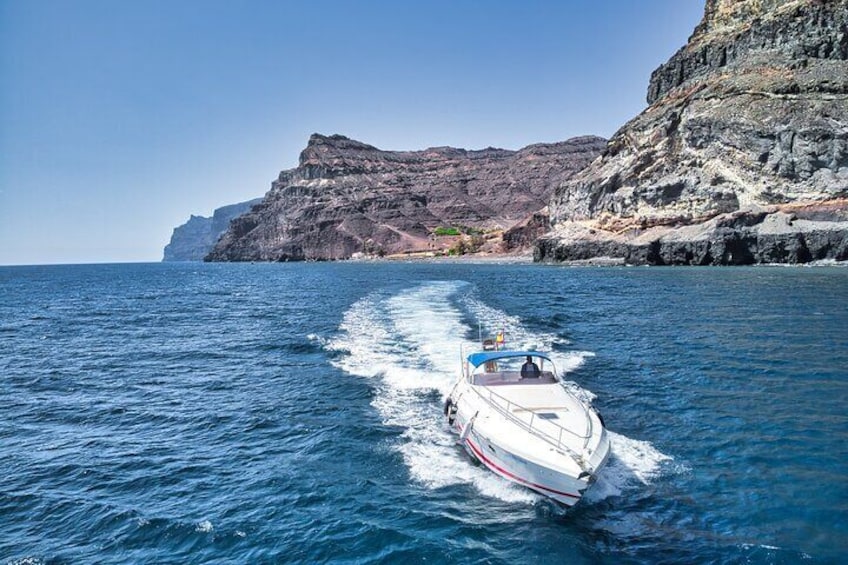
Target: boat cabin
(497,368)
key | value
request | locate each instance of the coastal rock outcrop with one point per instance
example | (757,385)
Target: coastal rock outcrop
(193,240)
(776,234)
(741,157)
(347,197)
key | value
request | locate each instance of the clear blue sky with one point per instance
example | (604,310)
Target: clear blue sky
(120,119)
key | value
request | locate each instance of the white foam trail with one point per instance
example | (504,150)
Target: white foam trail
(411,344)
(426,319)
(632,462)
(318,339)
(517,336)
(569,363)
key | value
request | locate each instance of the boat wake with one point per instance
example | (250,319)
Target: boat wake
(410,343)
(632,462)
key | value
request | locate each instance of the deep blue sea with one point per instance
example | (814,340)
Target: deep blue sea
(292,413)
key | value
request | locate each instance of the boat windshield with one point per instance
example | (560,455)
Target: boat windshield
(477,359)
(502,367)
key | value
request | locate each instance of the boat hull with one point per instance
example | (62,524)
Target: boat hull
(552,483)
(505,445)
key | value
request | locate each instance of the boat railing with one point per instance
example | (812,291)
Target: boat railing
(508,408)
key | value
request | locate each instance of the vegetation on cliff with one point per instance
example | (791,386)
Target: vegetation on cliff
(347,197)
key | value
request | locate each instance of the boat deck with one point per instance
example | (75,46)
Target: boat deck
(529,420)
(512,378)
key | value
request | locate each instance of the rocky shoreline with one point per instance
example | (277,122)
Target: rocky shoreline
(798,233)
(741,157)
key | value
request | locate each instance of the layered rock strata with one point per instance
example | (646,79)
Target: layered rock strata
(741,157)
(347,197)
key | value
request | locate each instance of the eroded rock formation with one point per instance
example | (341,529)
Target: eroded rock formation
(741,157)
(347,197)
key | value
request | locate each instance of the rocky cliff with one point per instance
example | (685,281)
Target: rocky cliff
(193,240)
(347,197)
(741,157)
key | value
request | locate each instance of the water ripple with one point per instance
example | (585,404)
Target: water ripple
(292,413)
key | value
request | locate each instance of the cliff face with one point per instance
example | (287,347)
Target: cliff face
(193,240)
(347,197)
(748,120)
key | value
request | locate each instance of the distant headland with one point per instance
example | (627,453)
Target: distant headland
(193,240)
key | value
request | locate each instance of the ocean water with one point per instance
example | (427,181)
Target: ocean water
(291,413)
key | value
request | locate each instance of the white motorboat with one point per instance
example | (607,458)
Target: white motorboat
(525,425)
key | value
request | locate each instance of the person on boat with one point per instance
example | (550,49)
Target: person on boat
(529,370)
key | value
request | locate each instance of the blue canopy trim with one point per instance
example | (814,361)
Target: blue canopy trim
(477,359)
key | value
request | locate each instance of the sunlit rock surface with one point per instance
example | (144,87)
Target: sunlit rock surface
(347,198)
(741,157)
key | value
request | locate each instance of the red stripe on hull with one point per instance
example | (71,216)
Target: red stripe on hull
(492,465)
